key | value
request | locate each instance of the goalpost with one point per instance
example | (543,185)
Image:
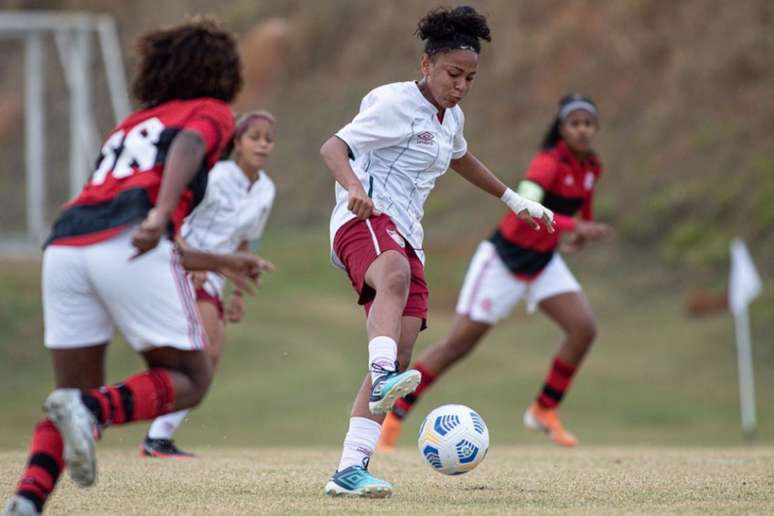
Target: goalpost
(73,34)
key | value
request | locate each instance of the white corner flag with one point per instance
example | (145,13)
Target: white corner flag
(744,286)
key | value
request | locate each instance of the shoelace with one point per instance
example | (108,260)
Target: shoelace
(379,368)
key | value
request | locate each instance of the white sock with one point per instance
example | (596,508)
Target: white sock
(360,442)
(382,351)
(163,427)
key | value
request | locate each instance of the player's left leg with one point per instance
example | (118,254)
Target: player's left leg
(158,442)
(572,312)
(81,368)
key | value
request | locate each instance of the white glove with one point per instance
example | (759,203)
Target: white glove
(517,204)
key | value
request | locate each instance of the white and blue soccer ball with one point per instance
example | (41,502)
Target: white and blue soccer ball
(453,439)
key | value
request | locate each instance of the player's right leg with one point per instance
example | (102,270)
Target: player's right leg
(464,336)
(488,294)
(390,277)
(159,441)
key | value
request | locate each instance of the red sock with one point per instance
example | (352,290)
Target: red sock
(403,406)
(139,398)
(556,384)
(44,465)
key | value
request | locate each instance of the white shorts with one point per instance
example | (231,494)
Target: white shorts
(88,289)
(491,290)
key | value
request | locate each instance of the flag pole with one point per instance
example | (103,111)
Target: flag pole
(746,378)
(744,285)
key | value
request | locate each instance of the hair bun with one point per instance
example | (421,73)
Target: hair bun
(442,28)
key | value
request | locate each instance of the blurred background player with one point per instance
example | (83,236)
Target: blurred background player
(515,263)
(107,262)
(231,216)
(385,163)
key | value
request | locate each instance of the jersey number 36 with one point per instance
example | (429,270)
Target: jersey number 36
(127,153)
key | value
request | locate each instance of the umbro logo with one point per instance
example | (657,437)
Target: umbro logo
(425,138)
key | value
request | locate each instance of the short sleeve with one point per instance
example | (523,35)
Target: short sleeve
(214,122)
(459,144)
(380,123)
(543,169)
(253,218)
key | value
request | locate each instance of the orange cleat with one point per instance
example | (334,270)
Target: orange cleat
(547,420)
(390,433)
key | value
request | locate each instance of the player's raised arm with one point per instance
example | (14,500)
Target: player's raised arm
(471,168)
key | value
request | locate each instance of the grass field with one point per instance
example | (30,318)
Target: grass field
(512,480)
(655,406)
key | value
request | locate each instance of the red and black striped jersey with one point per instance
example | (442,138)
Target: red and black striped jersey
(569,186)
(125,183)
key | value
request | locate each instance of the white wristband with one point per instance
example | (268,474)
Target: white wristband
(517,204)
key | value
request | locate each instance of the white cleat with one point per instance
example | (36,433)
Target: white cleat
(20,506)
(356,481)
(76,424)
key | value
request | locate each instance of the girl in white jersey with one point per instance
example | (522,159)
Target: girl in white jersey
(385,163)
(232,214)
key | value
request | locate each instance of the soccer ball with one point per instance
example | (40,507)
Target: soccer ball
(453,439)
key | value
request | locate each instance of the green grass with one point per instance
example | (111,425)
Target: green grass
(512,480)
(290,371)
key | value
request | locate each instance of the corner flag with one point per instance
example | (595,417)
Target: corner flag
(744,286)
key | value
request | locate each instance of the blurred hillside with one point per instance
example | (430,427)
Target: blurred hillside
(686,92)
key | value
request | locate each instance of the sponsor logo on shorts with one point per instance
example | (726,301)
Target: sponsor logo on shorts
(425,138)
(395,236)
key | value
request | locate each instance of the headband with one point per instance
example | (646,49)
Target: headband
(453,42)
(575,105)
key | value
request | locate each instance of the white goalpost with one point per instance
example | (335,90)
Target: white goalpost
(73,34)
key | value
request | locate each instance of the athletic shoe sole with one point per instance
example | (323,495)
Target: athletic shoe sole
(152,454)
(405,386)
(335,490)
(75,423)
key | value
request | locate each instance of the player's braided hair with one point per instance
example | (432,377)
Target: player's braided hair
(445,29)
(553,135)
(191,60)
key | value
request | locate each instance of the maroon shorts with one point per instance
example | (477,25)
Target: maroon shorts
(203,295)
(357,244)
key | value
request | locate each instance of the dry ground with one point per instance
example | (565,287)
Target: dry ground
(511,480)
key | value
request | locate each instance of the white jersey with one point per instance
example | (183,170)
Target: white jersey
(400,148)
(233,210)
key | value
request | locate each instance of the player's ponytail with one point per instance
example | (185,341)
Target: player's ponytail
(567,105)
(445,29)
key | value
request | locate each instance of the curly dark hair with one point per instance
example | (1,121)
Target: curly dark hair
(191,60)
(445,29)
(552,134)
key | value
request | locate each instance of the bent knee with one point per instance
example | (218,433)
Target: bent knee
(200,383)
(584,332)
(397,280)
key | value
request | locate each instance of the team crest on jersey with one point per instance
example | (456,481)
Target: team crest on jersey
(425,138)
(589,181)
(569,180)
(395,236)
